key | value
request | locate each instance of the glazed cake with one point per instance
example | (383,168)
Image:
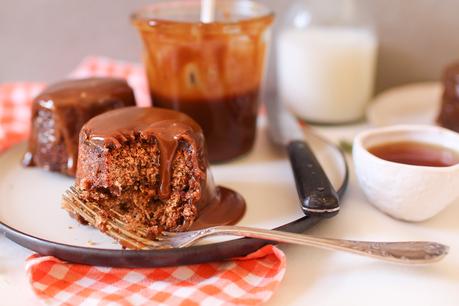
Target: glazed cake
(449,112)
(147,166)
(60,111)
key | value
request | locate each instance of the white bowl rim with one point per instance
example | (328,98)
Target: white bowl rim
(361,137)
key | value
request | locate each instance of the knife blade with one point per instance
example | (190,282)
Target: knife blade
(316,193)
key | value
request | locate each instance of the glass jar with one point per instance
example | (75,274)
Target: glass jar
(210,70)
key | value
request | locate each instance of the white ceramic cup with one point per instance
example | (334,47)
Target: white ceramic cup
(406,192)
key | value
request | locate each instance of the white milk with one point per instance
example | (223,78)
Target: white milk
(326,74)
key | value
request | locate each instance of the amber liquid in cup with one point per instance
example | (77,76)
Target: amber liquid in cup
(211,71)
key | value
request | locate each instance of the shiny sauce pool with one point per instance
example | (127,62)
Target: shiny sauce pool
(416,153)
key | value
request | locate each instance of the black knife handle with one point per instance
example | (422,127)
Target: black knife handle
(316,193)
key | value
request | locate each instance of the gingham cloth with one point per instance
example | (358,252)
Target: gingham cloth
(246,281)
(243,281)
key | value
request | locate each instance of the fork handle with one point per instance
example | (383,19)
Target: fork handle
(407,252)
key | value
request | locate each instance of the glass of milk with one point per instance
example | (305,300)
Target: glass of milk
(326,60)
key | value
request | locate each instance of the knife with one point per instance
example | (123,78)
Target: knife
(315,191)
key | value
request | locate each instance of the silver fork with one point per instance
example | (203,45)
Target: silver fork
(408,252)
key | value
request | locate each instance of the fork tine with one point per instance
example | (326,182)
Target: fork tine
(139,231)
(95,210)
(161,238)
(114,227)
(117,229)
(169,234)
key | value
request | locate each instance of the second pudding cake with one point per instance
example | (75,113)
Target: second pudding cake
(146,165)
(58,114)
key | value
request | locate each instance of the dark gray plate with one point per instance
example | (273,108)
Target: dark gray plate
(26,195)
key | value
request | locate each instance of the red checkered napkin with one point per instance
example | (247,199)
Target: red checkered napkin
(250,280)
(15,100)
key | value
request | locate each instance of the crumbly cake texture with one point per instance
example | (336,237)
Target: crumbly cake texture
(58,114)
(145,166)
(449,111)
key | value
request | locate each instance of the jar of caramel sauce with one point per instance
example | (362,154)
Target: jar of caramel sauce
(212,71)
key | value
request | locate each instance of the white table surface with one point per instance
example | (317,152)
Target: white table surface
(318,277)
